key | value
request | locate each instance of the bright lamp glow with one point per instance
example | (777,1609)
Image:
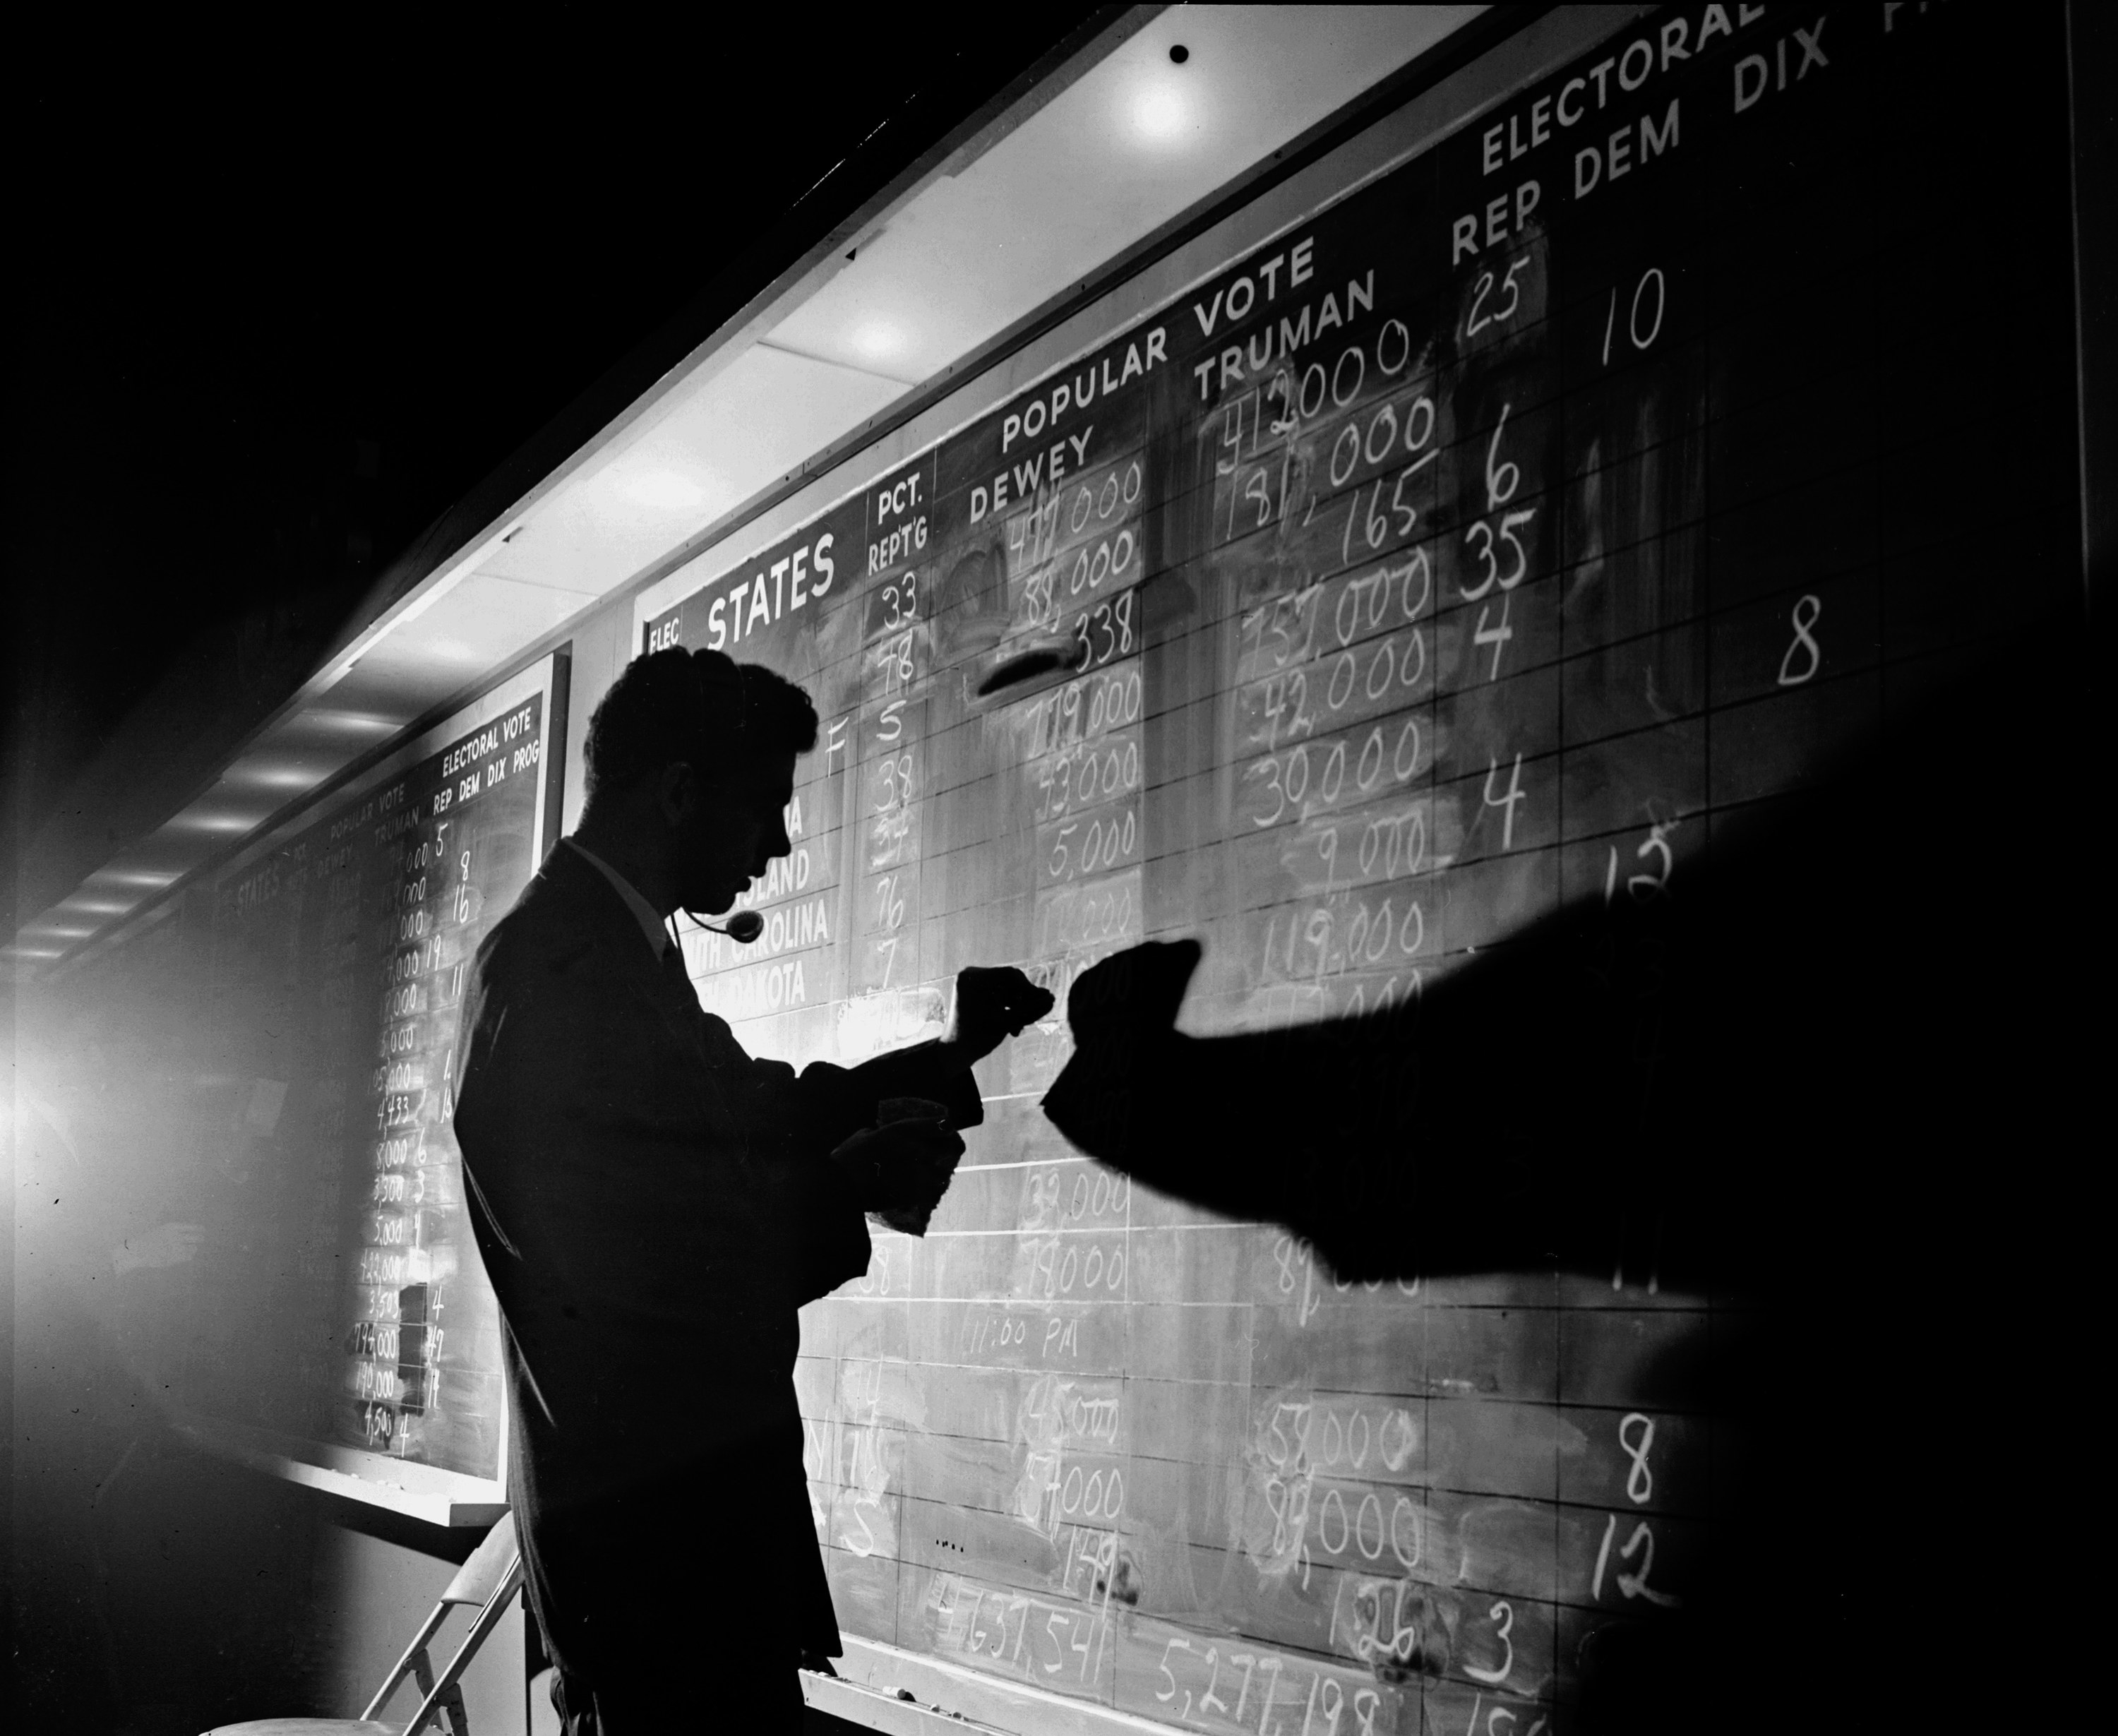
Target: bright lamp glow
(878,340)
(281,776)
(346,722)
(666,491)
(1160,111)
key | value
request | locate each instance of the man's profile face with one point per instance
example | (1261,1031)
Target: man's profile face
(738,827)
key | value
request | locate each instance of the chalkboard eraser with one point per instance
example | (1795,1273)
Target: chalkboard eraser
(1027,667)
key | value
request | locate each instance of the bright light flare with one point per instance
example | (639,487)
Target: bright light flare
(330,721)
(215,823)
(878,340)
(1162,111)
(269,776)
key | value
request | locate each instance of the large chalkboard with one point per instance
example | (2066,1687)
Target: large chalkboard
(1478,549)
(341,1328)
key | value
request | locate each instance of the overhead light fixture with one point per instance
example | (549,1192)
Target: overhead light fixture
(878,340)
(666,491)
(281,776)
(339,721)
(1164,102)
(1158,113)
(137,876)
(98,906)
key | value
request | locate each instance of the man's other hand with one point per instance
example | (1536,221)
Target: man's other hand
(993,1004)
(900,1169)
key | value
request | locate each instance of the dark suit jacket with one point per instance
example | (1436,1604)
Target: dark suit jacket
(652,1205)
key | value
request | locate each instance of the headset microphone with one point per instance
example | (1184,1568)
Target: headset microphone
(742,927)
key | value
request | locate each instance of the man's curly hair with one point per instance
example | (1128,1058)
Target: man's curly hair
(698,708)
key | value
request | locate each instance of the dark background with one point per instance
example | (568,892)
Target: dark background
(279,301)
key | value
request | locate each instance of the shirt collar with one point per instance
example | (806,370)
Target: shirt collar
(643,913)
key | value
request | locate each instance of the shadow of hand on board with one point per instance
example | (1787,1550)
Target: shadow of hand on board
(1850,1040)
(1830,1081)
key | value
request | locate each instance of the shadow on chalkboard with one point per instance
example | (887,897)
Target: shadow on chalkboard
(1829,1085)
(1775,1056)
(1009,674)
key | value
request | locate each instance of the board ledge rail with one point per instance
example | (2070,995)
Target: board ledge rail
(952,1697)
(442,1498)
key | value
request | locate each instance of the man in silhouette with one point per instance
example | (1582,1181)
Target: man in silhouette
(652,1205)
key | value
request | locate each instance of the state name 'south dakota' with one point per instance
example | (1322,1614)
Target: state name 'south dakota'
(757,989)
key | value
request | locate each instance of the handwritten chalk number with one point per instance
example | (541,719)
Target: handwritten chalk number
(1507,799)
(1639,1479)
(1505,1613)
(1495,635)
(1635,313)
(1480,318)
(1793,674)
(1634,1583)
